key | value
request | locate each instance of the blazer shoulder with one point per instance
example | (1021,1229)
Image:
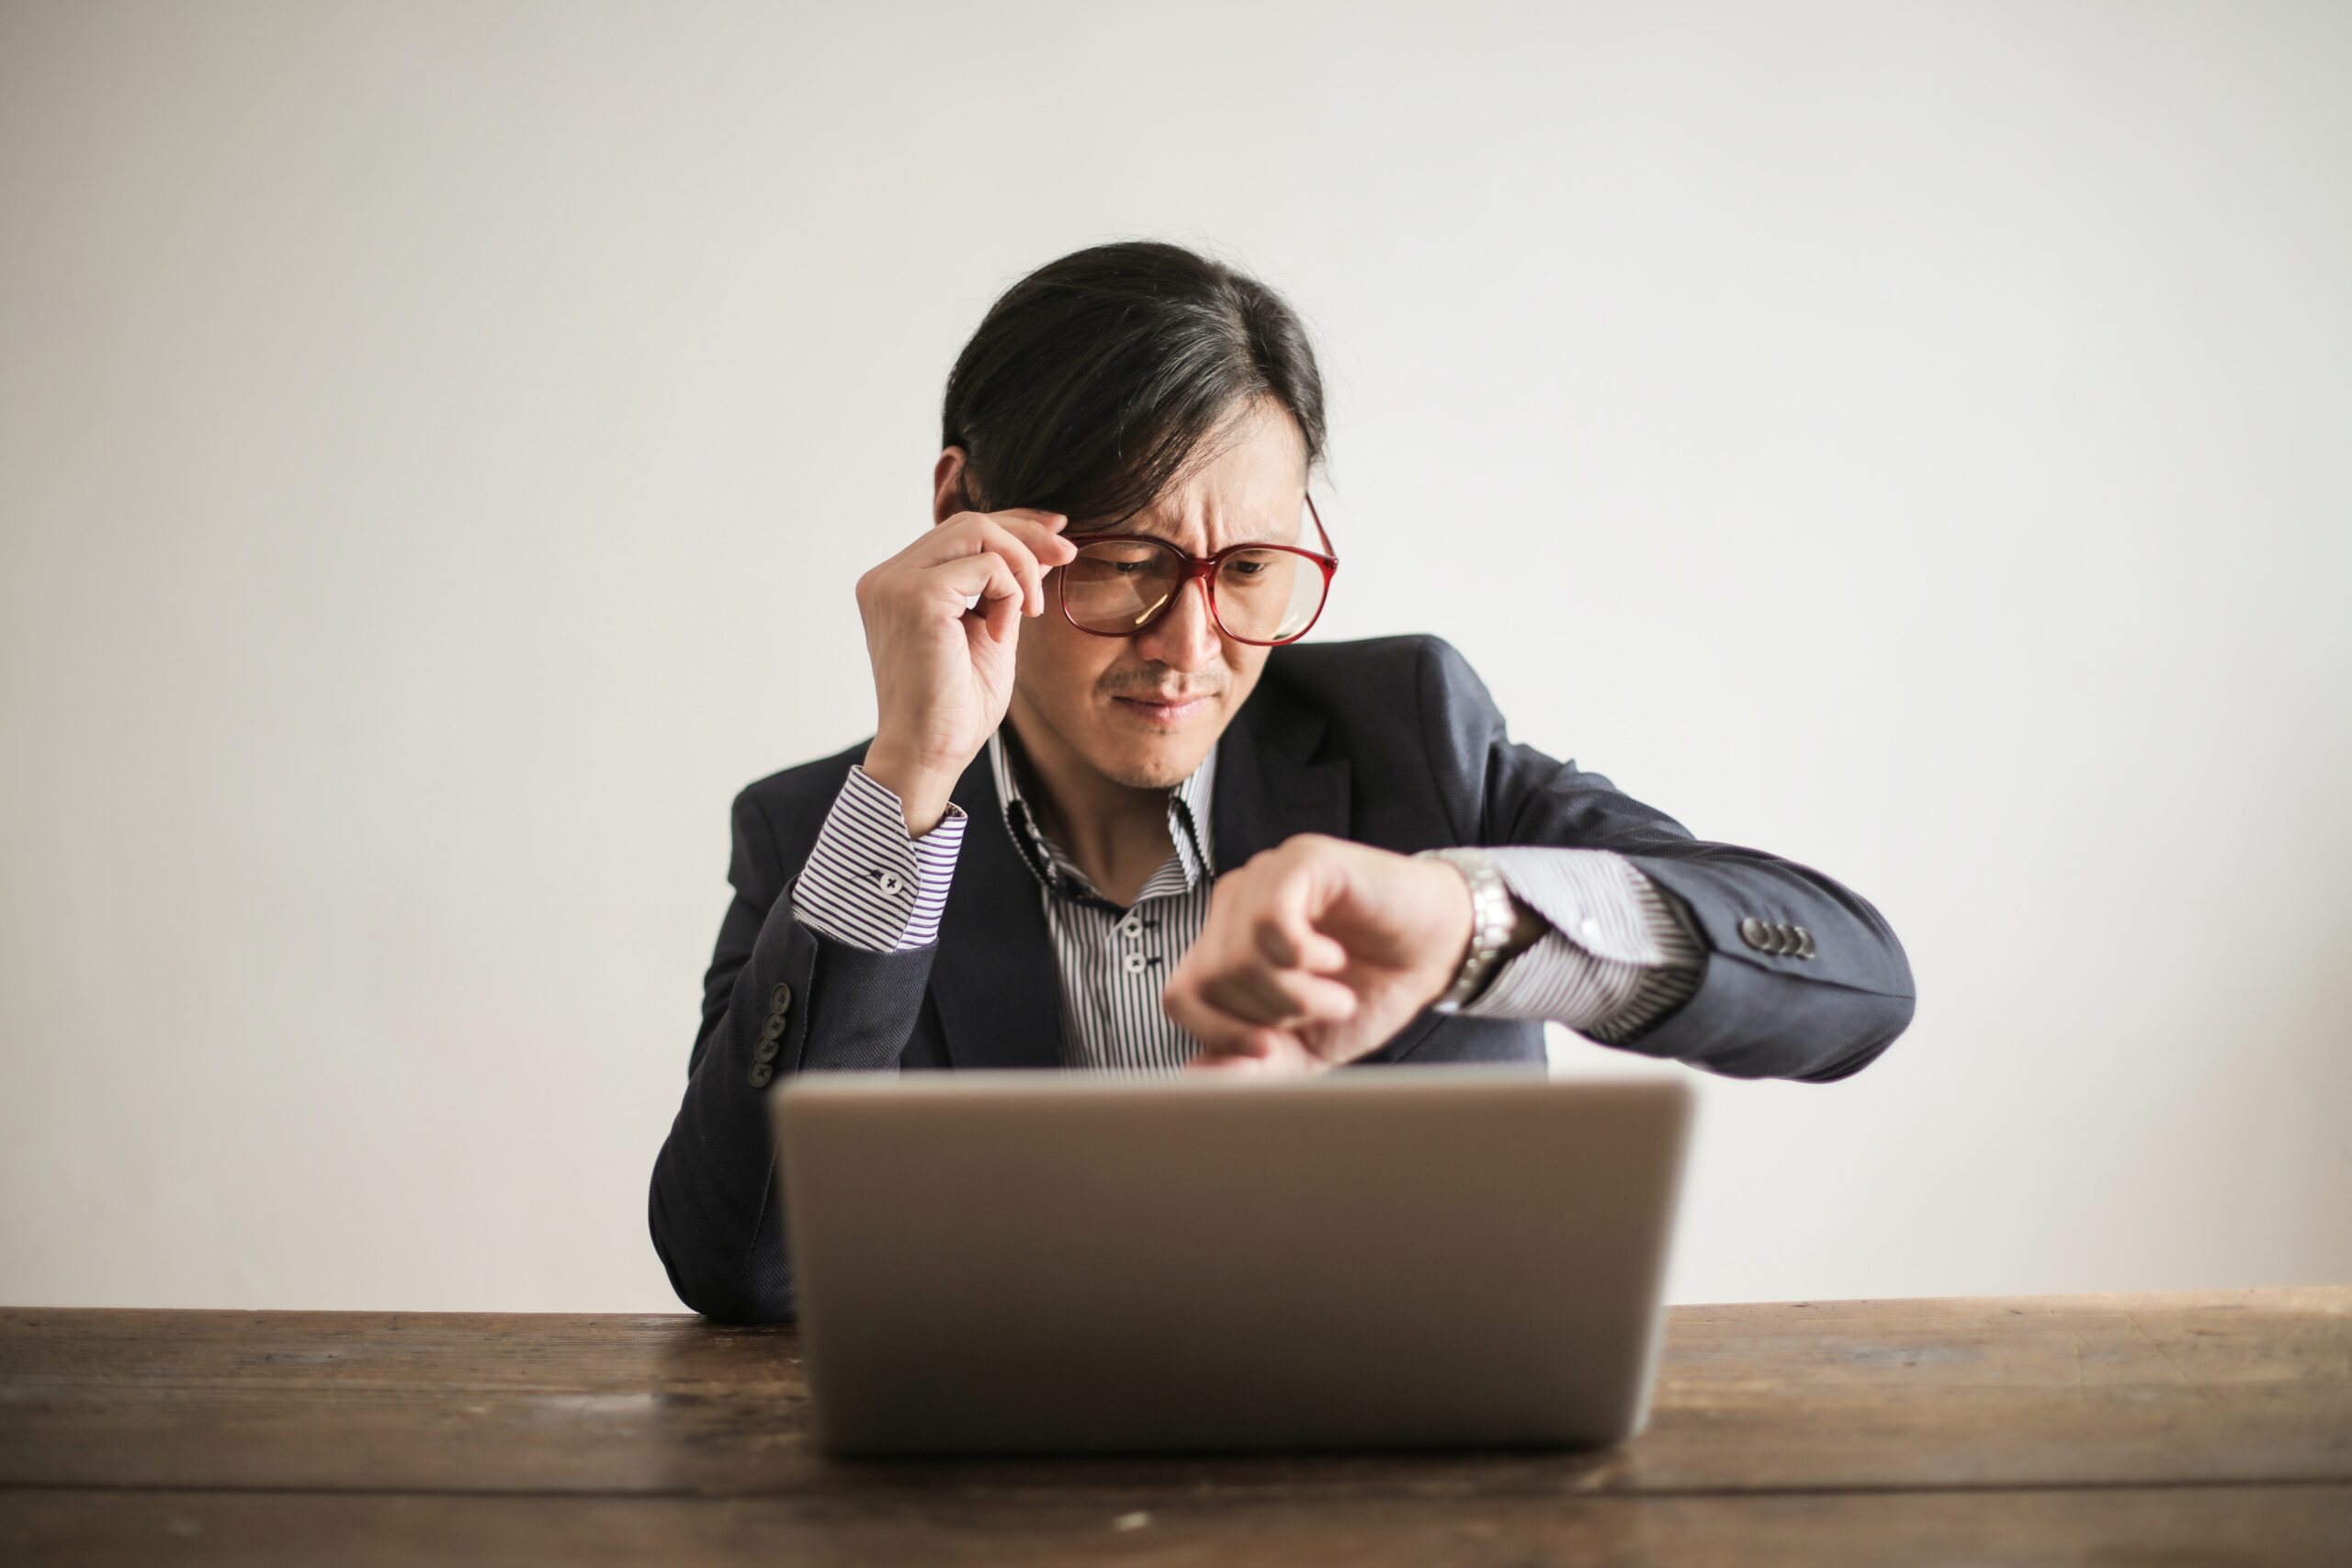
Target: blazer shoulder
(1378,673)
(1375,682)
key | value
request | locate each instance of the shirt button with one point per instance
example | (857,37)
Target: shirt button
(1131,927)
(890,882)
(1588,926)
(1132,963)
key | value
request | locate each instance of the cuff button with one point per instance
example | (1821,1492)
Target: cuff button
(761,1074)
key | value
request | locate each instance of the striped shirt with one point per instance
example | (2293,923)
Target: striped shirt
(1617,954)
(1114,962)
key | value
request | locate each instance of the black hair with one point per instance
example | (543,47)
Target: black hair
(1095,382)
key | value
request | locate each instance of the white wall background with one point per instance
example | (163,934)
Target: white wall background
(439,442)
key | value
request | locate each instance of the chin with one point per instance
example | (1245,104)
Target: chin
(1160,766)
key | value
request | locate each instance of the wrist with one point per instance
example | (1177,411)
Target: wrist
(1450,890)
(1492,923)
(923,791)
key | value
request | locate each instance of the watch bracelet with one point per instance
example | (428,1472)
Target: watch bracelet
(1492,920)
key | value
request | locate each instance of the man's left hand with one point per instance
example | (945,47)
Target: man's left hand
(1317,952)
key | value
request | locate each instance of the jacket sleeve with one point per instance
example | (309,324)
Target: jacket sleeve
(1766,1006)
(1629,957)
(779,997)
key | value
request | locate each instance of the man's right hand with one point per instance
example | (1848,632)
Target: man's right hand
(942,673)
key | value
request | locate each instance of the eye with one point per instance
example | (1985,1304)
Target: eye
(1119,558)
(1245,570)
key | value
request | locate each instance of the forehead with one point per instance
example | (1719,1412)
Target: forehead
(1251,488)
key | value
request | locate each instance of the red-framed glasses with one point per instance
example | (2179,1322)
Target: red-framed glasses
(1266,594)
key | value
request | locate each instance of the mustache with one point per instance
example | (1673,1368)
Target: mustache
(1150,689)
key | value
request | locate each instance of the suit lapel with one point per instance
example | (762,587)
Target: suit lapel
(993,981)
(1270,785)
(1267,786)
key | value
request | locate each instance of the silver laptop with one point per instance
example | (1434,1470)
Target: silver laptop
(1408,1257)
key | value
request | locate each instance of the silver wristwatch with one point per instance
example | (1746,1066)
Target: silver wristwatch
(1492,919)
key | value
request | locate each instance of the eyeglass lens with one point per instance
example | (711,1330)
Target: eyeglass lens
(1259,596)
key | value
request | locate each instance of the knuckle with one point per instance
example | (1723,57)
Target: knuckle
(1013,550)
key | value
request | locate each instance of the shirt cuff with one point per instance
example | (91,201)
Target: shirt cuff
(1617,955)
(868,881)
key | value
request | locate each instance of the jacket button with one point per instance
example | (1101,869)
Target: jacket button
(766,1049)
(1804,943)
(774,1027)
(761,1074)
(1755,933)
(780,999)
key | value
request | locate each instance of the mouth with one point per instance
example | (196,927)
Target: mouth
(1166,713)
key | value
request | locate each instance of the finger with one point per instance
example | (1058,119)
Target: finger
(1254,1008)
(1001,541)
(1285,932)
(961,579)
(1000,613)
(1321,954)
(1045,545)
(1252,1044)
(1281,997)
(1225,1062)
(1215,1029)
(1044,537)
(1282,1057)
(974,534)
(1001,609)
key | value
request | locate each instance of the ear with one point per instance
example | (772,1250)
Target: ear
(947,491)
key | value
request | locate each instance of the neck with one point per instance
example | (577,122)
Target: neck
(1116,833)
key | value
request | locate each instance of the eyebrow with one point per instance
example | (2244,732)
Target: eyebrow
(1153,529)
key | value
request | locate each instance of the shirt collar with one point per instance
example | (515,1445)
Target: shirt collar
(1188,826)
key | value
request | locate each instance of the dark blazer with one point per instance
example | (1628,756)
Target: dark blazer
(1393,742)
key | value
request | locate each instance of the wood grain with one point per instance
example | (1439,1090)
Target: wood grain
(2247,1526)
(2213,1426)
(2250,1385)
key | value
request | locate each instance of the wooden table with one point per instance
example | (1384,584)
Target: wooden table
(2182,1427)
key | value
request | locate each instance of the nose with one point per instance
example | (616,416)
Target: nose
(1185,638)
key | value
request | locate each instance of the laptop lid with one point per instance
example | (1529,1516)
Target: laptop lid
(1073,1262)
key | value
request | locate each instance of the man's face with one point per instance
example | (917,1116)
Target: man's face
(1144,710)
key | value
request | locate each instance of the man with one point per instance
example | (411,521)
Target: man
(1111,818)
